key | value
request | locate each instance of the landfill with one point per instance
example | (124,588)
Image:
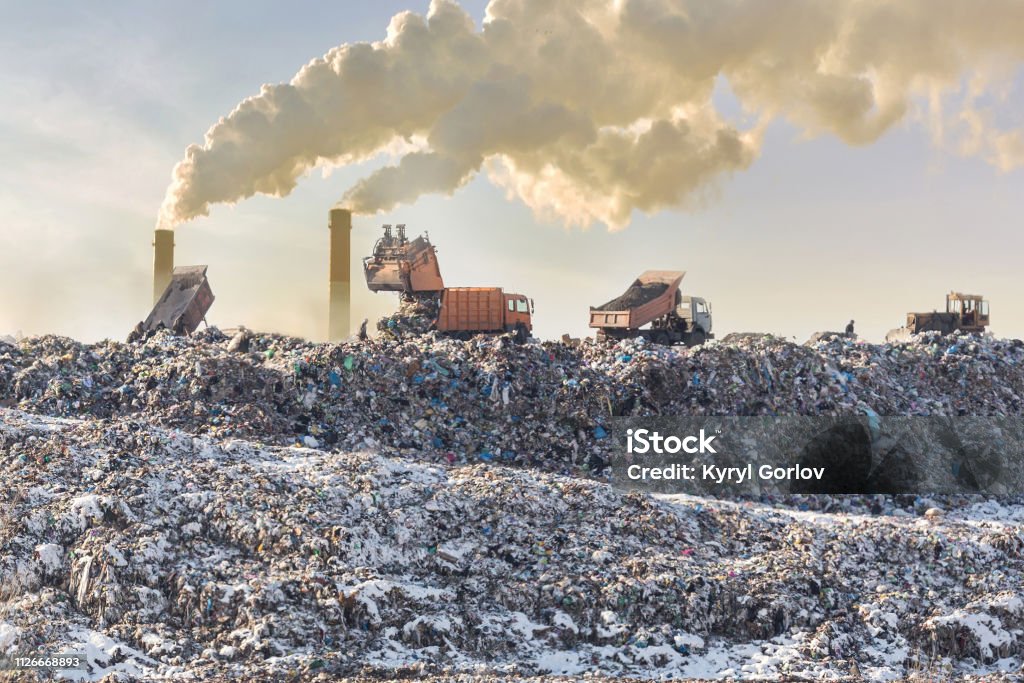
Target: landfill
(218,507)
(542,404)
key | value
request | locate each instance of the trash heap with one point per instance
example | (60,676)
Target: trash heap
(161,555)
(415,316)
(544,405)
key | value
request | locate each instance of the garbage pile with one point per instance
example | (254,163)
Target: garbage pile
(161,555)
(415,316)
(543,404)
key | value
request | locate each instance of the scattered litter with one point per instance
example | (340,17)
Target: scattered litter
(544,402)
(185,507)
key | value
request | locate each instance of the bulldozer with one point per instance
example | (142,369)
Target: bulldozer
(399,264)
(964,313)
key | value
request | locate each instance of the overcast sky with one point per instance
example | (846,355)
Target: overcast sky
(100,99)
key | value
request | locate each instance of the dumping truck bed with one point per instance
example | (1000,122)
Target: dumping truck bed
(184,303)
(655,309)
(651,296)
(479,309)
(402,265)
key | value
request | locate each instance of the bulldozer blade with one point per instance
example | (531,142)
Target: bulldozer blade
(897,335)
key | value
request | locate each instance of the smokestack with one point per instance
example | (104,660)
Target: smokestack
(163,262)
(341,235)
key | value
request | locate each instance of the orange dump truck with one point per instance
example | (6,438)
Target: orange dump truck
(654,299)
(466,311)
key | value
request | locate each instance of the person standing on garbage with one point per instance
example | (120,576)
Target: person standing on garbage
(849,329)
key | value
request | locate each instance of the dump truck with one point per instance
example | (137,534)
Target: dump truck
(654,299)
(466,311)
(964,313)
(399,264)
(182,306)
(410,268)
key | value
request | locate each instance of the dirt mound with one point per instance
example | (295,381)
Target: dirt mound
(637,295)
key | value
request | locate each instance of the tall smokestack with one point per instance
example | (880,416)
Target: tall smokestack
(341,235)
(163,262)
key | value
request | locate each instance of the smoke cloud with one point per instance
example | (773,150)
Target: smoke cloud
(588,110)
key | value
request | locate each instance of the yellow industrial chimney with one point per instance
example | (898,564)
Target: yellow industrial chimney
(338,327)
(163,262)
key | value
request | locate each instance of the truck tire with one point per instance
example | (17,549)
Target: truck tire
(520,335)
(696,338)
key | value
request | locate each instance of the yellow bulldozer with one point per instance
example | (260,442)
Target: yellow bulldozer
(964,313)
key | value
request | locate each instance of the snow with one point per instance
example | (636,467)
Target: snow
(987,630)
(8,636)
(104,656)
(50,555)
(115,555)
(88,509)
(265,557)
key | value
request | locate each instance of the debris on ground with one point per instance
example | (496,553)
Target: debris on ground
(157,552)
(257,507)
(415,316)
(541,404)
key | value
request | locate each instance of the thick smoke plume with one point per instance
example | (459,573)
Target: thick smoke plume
(589,110)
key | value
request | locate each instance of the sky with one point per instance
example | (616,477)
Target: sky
(100,100)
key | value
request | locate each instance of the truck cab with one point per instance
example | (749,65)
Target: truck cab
(518,312)
(696,312)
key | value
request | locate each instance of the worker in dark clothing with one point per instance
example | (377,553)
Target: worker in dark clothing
(849,329)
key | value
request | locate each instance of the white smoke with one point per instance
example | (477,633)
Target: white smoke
(587,110)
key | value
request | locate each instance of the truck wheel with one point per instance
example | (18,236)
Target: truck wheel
(696,338)
(520,334)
